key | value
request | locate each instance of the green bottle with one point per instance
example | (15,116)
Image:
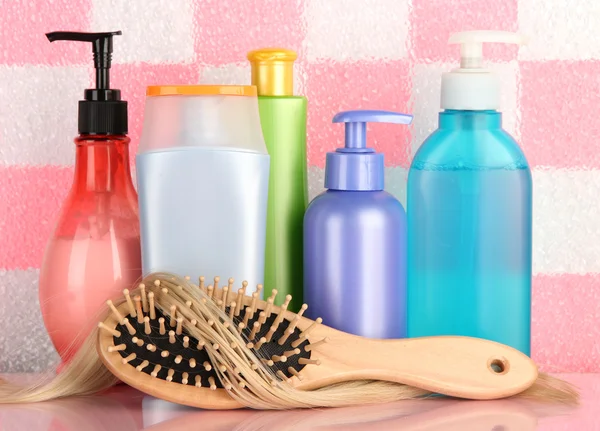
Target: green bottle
(283,119)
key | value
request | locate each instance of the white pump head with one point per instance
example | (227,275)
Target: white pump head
(471,87)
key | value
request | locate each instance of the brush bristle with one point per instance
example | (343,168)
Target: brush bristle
(146,337)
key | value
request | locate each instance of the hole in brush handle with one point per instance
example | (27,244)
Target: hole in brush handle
(499,365)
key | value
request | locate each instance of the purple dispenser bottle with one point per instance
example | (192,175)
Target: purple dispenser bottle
(355,239)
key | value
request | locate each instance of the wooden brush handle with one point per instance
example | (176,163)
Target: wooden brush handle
(456,366)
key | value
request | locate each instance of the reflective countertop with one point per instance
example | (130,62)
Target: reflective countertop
(126,409)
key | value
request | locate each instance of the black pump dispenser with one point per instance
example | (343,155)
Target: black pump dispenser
(102,112)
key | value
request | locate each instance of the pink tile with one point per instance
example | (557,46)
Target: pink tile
(334,87)
(566,313)
(559,116)
(434,20)
(31,200)
(133,79)
(23,25)
(227,29)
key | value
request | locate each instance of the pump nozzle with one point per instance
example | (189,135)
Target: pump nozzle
(356,167)
(471,50)
(102,47)
(102,110)
(471,87)
(356,124)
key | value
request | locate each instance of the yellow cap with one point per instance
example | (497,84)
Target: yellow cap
(273,71)
(201,90)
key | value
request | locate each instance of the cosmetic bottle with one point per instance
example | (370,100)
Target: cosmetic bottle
(203,179)
(355,239)
(469,213)
(94,252)
(283,120)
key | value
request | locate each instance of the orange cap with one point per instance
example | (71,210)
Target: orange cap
(201,90)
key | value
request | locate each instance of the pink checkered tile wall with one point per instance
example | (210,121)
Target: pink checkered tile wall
(384,54)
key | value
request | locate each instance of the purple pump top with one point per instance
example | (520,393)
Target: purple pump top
(356,167)
(355,239)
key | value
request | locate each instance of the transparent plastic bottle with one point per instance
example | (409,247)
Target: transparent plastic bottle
(469,232)
(94,252)
(203,182)
(470,214)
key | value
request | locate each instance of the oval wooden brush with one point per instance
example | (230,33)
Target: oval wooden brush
(147,345)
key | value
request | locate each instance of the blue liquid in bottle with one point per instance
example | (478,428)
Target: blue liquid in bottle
(469,233)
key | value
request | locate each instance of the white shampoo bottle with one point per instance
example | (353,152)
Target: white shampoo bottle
(203,175)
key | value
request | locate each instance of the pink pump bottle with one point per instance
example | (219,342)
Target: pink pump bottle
(94,252)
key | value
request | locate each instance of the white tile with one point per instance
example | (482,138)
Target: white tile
(425,98)
(367,29)
(316,182)
(239,74)
(228,74)
(566,227)
(153,31)
(560,29)
(38,113)
(395,183)
(27,347)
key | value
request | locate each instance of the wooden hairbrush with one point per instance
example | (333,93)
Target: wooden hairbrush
(148,346)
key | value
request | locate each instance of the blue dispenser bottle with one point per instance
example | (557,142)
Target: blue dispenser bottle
(355,239)
(469,213)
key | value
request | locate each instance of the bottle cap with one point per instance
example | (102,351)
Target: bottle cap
(201,90)
(472,87)
(273,71)
(356,167)
(102,111)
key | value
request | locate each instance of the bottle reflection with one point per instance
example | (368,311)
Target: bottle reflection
(125,409)
(425,415)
